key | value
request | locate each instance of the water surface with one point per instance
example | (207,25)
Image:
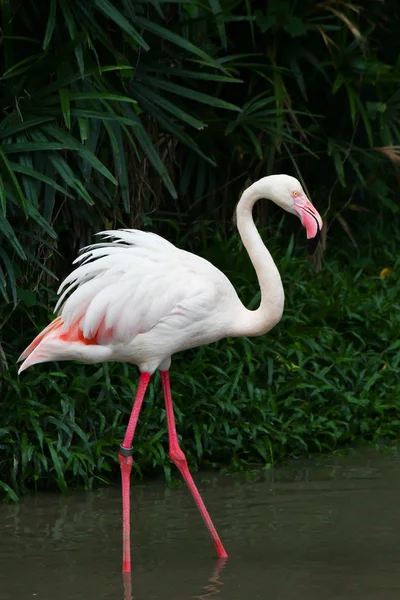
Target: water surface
(325,531)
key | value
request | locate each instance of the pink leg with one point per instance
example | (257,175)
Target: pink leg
(125,461)
(178,457)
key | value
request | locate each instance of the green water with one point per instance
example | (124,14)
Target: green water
(327,531)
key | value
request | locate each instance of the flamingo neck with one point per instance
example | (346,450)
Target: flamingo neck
(269,313)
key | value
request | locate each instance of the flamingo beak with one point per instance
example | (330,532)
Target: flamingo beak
(311,221)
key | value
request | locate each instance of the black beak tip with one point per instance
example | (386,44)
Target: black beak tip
(313,242)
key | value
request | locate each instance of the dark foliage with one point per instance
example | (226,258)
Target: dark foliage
(157,114)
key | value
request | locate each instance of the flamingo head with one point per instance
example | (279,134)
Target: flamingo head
(289,195)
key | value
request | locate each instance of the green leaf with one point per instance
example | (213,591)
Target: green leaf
(66,81)
(37,217)
(102,116)
(295,26)
(18,168)
(7,31)
(37,147)
(148,148)
(83,128)
(9,234)
(73,144)
(49,193)
(7,172)
(219,19)
(65,106)
(3,199)
(51,23)
(337,84)
(21,66)
(11,274)
(27,297)
(339,166)
(186,74)
(114,15)
(101,96)
(251,21)
(254,141)
(395,208)
(117,146)
(38,430)
(9,491)
(188,93)
(3,286)
(32,259)
(172,37)
(29,187)
(356,168)
(7,130)
(68,176)
(72,29)
(365,119)
(57,466)
(169,106)
(168,126)
(352,96)
(393,346)
(265,22)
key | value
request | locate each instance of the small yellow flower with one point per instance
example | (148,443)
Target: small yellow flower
(385,272)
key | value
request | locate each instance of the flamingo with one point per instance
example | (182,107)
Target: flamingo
(137,298)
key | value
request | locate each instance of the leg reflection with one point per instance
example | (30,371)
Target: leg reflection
(214,584)
(127,581)
(211,590)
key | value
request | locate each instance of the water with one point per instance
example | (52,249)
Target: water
(327,531)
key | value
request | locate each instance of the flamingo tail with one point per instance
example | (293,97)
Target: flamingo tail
(59,342)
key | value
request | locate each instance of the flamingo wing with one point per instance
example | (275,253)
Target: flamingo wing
(126,287)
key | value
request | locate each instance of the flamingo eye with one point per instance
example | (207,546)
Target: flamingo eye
(295,194)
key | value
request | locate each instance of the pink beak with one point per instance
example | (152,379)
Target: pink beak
(310,219)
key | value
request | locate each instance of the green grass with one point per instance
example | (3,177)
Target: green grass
(325,377)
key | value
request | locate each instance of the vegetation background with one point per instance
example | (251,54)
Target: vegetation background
(155,114)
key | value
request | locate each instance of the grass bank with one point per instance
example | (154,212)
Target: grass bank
(325,377)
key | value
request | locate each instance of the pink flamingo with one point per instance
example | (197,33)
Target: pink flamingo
(137,298)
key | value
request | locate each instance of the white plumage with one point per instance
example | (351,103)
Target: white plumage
(135,297)
(142,299)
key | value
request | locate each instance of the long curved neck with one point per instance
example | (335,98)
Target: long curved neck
(270,311)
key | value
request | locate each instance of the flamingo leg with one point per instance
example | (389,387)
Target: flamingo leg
(178,457)
(125,461)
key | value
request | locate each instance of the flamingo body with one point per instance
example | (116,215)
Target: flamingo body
(136,298)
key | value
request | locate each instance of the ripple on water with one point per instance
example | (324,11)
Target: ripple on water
(326,530)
